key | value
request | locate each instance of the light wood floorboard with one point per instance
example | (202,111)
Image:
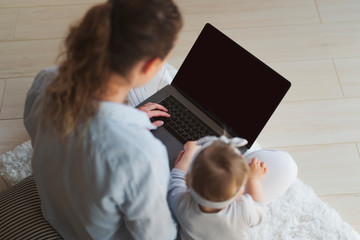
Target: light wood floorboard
(321,166)
(308,77)
(47,22)
(339,11)
(26,58)
(7,23)
(313,123)
(13,133)
(183,46)
(349,75)
(347,206)
(300,42)
(14,98)
(239,14)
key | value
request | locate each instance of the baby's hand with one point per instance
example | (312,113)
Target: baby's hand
(191,147)
(257,169)
(184,158)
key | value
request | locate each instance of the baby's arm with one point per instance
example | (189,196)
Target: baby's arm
(185,157)
(176,190)
(257,171)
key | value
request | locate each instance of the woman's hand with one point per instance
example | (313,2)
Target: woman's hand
(185,156)
(155,110)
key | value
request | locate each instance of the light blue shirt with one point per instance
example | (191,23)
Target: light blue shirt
(109,184)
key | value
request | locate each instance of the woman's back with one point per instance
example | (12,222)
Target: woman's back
(91,184)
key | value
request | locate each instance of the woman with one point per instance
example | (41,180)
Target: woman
(100,173)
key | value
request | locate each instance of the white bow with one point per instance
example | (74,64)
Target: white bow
(235,142)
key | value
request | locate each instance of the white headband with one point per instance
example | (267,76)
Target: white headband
(206,142)
(212,204)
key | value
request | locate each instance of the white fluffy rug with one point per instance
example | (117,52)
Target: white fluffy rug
(15,165)
(298,214)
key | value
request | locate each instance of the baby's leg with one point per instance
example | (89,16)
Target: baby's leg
(282,171)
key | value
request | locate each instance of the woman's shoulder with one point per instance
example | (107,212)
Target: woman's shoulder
(48,71)
(42,79)
(45,75)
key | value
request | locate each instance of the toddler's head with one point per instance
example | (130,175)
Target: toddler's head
(218,174)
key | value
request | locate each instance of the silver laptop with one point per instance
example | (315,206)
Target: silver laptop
(220,89)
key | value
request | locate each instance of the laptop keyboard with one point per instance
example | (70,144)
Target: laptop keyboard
(183,124)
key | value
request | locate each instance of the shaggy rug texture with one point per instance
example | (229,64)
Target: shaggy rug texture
(298,214)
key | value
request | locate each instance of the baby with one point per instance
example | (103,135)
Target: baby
(206,193)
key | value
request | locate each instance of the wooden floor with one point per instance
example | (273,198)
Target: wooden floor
(313,43)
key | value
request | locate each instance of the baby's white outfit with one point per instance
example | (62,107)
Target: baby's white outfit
(230,223)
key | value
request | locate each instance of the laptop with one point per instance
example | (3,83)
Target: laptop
(220,89)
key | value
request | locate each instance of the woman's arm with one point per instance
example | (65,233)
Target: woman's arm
(146,211)
(34,98)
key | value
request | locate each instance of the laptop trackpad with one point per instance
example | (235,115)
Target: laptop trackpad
(172,144)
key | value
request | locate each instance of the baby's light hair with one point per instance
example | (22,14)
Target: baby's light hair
(218,172)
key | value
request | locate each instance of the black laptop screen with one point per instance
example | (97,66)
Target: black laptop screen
(231,85)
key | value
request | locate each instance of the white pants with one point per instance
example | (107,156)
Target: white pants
(282,169)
